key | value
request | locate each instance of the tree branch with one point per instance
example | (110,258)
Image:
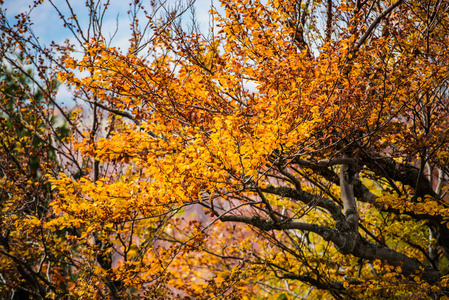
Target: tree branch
(373,25)
(347,174)
(406,174)
(308,199)
(346,243)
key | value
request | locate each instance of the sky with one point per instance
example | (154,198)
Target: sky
(49,27)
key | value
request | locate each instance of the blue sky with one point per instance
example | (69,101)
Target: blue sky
(48,26)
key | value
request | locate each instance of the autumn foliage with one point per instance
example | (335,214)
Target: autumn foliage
(296,149)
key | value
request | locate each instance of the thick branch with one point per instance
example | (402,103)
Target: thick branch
(329,234)
(347,195)
(346,243)
(406,174)
(373,25)
(408,265)
(308,199)
(325,162)
(120,113)
(329,21)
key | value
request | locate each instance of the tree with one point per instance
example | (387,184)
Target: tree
(29,134)
(312,134)
(37,262)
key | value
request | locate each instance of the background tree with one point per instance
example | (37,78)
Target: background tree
(312,133)
(38,261)
(28,132)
